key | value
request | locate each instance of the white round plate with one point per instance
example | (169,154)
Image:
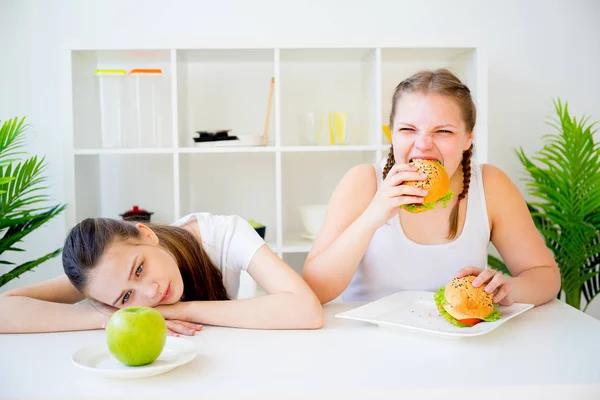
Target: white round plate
(97,358)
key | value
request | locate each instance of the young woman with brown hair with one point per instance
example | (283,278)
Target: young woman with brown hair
(189,271)
(369,247)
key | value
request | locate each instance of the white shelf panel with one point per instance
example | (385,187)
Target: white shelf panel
(325,54)
(291,246)
(224,149)
(422,54)
(296,246)
(116,58)
(95,152)
(315,149)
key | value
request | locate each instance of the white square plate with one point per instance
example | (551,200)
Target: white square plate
(416,310)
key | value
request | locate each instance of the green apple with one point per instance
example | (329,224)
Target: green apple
(136,335)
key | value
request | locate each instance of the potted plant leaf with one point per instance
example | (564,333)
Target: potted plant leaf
(564,178)
(23,206)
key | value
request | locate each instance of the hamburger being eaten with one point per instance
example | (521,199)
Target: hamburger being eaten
(437,185)
(465,305)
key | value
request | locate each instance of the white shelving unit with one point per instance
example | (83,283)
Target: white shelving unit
(212,89)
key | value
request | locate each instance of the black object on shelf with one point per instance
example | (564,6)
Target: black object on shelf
(137,214)
(213,136)
(261,231)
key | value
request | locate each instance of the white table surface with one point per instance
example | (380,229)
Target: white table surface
(552,351)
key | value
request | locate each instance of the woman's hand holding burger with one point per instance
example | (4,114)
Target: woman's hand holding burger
(393,193)
(493,281)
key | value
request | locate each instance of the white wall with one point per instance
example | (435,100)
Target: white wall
(537,51)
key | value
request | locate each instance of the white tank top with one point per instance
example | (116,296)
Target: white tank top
(393,262)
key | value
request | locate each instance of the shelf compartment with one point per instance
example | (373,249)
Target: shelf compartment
(109,185)
(121,110)
(309,179)
(317,82)
(398,64)
(225,90)
(240,184)
(295,261)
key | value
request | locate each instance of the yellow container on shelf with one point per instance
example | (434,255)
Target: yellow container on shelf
(337,128)
(387,133)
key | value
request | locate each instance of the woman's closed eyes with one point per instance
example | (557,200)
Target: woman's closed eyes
(411,130)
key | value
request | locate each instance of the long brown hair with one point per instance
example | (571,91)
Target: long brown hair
(89,239)
(443,82)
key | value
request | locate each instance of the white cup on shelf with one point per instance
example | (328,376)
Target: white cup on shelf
(312,219)
(313,126)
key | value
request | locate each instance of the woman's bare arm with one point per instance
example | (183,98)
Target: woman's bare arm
(48,306)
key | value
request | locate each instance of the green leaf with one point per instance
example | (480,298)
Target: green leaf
(23,203)
(20,192)
(17,232)
(564,177)
(28,266)
(498,265)
(11,139)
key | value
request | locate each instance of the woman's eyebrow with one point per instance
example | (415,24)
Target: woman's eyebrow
(404,123)
(445,126)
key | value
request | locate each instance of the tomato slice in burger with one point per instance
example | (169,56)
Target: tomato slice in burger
(470,321)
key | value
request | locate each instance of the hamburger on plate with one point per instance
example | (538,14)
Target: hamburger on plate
(465,305)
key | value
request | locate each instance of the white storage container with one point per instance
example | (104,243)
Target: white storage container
(145,86)
(112,98)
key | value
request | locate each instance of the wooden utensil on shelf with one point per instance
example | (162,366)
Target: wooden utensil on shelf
(266,132)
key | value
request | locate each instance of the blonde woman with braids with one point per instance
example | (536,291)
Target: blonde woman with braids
(369,247)
(189,271)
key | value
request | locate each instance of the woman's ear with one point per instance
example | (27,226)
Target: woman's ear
(469,141)
(147,233)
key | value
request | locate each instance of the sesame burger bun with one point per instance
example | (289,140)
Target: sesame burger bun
(464,297)
(464,305)
(437,185)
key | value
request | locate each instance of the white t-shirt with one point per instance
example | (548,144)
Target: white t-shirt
(230,242)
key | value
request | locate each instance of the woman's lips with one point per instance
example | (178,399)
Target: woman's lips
(167,293)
